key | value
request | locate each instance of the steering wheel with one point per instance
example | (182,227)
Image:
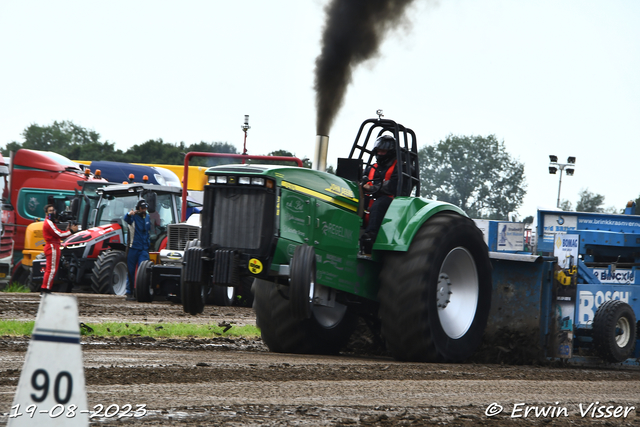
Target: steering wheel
(373,187)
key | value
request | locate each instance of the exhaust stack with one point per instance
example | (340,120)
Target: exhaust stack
(320,157)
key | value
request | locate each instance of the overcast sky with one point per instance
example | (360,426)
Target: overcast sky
(547,77)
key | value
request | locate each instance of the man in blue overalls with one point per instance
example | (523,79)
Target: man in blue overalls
(139,242)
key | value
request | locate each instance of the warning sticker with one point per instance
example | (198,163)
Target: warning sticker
(255,266)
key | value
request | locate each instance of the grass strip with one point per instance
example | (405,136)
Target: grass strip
(154,330)
(15,287)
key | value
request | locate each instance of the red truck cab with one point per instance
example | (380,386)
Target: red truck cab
(36,178)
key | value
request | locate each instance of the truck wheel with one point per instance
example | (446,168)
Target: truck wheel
(326,332)
(435,298)
(191,292)
(109,273)
(614,331)
(144,290)
(303,281)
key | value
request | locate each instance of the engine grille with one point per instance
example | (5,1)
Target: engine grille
(242,218)
(179,234)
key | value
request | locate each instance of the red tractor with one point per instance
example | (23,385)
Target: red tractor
(95,258)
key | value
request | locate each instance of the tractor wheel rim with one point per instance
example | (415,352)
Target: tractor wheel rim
(457,292)
(623,332)
(327,317)
(119,279)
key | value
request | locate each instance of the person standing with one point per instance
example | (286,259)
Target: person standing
(52,236)
(139,241)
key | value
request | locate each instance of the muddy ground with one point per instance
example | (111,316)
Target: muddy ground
(237,382)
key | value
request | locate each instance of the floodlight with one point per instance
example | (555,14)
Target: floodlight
(553,159)
(569,171)
(571,160)
(553,170)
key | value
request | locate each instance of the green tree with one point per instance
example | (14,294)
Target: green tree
(637,202)
(566,205)
(68,139)
(211,147)
(306,163)
(528,220)
(156,151)
(475,173)
(589,202)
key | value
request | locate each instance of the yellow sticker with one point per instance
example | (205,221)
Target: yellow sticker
(255,266)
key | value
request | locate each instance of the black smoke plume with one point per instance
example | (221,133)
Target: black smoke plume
(354,30)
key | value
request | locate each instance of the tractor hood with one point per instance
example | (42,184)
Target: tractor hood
(322,185)
(94,234)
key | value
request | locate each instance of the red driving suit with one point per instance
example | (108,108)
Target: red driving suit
(52,236)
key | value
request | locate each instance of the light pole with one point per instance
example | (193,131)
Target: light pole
(554,166)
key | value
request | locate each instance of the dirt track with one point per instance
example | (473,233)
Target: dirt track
(238,382)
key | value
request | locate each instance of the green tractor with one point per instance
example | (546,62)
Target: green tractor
(296,232)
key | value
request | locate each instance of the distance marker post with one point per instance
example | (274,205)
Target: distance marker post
(51,390)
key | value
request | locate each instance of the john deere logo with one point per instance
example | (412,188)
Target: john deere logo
(255,266)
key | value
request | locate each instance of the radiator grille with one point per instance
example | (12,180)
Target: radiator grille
(179,234)
(239,219)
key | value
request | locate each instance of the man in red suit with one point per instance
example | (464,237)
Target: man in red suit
(52,236)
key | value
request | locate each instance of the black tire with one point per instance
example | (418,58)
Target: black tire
(33,287)
(109,273)
(614,331)
(302,282)
(434,304)
(191,293)
(282,333)
(143,289)
(244,295)
(220,295)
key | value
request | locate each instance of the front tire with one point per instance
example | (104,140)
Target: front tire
(191,293)
(326,332)
(109,273)
(435,298)
(144,291)
(614,331)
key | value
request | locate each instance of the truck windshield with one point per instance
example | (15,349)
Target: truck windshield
(4,187)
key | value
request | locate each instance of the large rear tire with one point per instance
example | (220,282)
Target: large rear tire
(326,332)
(191,292)
(109,273)
(614,331)
(435,298)
(144,291)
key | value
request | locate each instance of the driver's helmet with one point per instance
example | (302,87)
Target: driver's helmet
(385,142)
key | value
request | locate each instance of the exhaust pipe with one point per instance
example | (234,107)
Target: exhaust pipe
(320,157)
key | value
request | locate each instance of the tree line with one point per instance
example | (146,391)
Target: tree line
(78,143)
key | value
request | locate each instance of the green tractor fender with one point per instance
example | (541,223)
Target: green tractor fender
(404,218)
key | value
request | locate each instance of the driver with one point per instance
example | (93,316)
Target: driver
(380,183)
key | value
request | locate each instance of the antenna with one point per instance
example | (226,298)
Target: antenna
(245,128)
